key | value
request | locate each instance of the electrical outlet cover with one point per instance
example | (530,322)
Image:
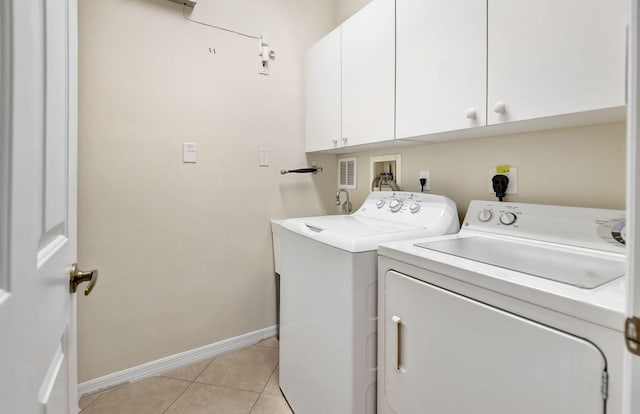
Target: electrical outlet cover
(513,178)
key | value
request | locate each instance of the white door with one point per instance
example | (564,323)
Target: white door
(632,362)
(441,64)
(445,353)
(549,57)
(368,74)
(38,196)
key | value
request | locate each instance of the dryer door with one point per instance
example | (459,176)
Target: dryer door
(445,353)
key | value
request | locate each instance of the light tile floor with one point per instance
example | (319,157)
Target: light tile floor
(240,382)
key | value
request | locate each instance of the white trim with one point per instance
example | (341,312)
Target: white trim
(175,361)
(631,384)
(5,137)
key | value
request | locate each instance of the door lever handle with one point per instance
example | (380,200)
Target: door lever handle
(78,276)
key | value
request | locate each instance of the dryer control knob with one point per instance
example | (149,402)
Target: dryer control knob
(414,207)
(485,215)
(380,203)
(508,218)
(395,205)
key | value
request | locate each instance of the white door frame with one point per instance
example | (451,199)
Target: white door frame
(632,363)
(5,130)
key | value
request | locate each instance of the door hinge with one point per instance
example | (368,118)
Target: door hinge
(604,389)
(632,335)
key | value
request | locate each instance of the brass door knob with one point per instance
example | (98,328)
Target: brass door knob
(78,276)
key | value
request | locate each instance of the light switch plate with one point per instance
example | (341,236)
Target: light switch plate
(189,152)
(264,157)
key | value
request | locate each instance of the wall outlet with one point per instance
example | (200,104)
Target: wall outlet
(426,175)
(509,171)
(189,152)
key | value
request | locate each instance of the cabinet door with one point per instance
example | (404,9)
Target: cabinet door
(323,95)
(368,74)
(441,66)
(446,353)
(549,57)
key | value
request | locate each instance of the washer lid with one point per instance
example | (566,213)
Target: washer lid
(353,233)
(562,265)
(356,227)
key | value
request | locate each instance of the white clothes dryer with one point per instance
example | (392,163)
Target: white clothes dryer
(328,293)
(520,312)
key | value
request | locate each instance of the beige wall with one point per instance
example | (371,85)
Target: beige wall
(346,8)
(583,166)
(184,250)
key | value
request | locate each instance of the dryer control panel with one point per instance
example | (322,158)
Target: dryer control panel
(576,226)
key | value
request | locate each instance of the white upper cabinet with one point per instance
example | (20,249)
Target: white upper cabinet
(350,81)
(323,94)
(368,74)
(441,66)
(550,57)
(449,69)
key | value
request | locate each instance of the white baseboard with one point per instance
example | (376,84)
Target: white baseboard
(171,362)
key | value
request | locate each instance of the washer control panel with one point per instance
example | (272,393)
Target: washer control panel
(577,226)
(399,202)
(406,207)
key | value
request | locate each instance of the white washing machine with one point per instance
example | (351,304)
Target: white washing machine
(521,312)
(328,293)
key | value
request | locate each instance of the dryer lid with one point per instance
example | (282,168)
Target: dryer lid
(562,265)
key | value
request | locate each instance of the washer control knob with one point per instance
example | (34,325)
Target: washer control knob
(414,207)
(485,215)
(395,205)
(380,203)
(508,218)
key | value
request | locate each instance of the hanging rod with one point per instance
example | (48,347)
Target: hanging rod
(313,170)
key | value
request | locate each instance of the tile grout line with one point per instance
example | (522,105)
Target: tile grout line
(270,376)
(189,386)
(164,375)
(179,395)
(227,387)
(265,386)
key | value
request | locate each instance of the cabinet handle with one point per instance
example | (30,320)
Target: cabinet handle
(396,320)
(500,108)
(344,140)
(335,141)
(471,113)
